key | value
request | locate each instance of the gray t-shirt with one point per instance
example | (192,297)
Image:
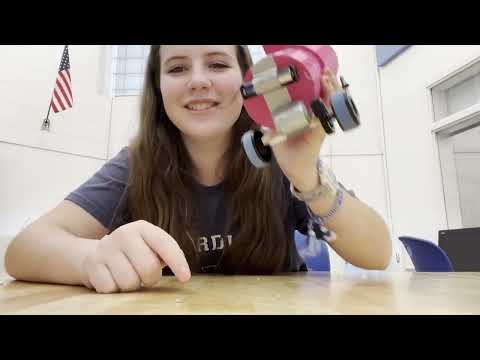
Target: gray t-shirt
(103,195)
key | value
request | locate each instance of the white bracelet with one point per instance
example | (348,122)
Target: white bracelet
(327,184)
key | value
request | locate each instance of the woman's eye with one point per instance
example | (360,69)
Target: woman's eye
(219,66)
(176,69)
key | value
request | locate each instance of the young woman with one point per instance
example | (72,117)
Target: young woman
(183,198)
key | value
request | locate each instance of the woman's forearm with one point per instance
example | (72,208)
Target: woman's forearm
(363,238)
(47,253)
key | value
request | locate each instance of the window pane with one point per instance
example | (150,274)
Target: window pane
(120,68)
(119,82)
(461,96)
(134,66)
(133,82)
(122,51)
(467,158)
(135,51)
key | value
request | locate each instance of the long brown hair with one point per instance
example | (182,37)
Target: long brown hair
(160,187)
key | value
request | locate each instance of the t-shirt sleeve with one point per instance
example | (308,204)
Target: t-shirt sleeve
(302,216)
(104,193)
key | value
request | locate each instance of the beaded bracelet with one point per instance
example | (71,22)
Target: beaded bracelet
(321,220)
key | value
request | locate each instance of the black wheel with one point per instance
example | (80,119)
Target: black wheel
(321,112)
(258,154)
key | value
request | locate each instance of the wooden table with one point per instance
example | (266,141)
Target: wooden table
(304,293)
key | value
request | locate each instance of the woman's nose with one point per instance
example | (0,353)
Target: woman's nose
(199,80)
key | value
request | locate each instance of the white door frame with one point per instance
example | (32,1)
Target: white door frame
(443,131)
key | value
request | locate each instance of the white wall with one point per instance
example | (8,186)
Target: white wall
(34,180)
(38,169)
(414,177)
(358,157)
(33,163)
(125,119)
(28,75)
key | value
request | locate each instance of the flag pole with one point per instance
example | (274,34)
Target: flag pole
(46,121)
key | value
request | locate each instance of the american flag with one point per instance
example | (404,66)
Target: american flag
(62,97)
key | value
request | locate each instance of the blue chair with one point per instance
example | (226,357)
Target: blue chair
(426,256)
(320,262)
